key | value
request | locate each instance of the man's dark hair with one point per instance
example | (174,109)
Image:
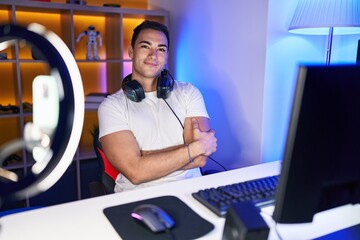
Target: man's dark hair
(147,24)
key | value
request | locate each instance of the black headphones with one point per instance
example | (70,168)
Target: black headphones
(135,92)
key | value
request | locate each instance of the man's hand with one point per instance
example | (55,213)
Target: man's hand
(204,143)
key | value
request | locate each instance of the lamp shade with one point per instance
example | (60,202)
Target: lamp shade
(317,16)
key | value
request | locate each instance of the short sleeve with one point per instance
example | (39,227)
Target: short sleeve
(194,101)
(112,114)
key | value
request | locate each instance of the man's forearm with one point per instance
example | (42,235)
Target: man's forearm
(143,152)
(188,166)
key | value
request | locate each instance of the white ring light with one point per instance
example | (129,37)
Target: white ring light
(67,135)
(78,90)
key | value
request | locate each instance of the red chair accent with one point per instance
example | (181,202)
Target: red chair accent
(108,173)
(108,168)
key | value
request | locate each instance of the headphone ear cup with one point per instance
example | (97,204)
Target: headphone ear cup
(133,90)
(165,84)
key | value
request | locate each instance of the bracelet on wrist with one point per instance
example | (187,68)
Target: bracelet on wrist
(188,149)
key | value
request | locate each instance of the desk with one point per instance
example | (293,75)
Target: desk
(85,219)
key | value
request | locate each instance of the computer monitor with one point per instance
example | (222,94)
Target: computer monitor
(321,161)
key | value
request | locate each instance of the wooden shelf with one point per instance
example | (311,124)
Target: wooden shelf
(68,21)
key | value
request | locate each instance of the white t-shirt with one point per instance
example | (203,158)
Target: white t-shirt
(153,124)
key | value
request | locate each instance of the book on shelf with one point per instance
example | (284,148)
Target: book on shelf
(95,97)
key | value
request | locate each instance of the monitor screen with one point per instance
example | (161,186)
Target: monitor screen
(321,161)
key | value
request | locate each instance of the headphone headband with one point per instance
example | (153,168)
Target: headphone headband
(135,92)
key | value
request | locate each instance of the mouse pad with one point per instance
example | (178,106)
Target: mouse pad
(188,224)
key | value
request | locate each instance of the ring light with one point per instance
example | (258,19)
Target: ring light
(55,132)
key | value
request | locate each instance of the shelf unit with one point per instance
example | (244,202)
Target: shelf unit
(68,21)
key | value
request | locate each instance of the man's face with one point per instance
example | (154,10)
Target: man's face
(149,54)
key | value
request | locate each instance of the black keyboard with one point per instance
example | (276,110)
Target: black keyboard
(260,191)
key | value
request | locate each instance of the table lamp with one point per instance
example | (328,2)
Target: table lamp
(326,17)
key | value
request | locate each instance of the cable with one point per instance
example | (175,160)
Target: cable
(183,128)
(222,166)
(170,233)
(275,225)
(277,231)
(174,113)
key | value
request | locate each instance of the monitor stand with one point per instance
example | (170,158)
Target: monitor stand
(351,233)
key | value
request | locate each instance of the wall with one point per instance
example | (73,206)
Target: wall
(285,51)
(220,46)
(241,56)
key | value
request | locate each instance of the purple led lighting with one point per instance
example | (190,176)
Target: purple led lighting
(103,82)
(137,216)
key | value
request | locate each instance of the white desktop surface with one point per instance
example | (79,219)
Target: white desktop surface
(85,219)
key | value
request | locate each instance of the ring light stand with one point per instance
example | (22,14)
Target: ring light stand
(55,137)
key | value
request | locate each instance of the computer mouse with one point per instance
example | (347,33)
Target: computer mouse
(153,217)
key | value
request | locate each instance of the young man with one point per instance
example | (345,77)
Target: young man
(152,140)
